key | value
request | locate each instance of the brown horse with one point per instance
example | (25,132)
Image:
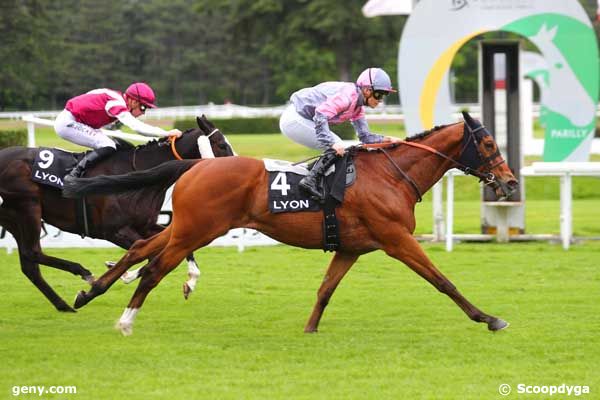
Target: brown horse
(377,212)
(120,219)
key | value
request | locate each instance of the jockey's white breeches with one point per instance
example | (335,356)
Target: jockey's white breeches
(69,129)
(300,129)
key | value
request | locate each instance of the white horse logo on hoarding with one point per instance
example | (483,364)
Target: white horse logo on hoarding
(562,82)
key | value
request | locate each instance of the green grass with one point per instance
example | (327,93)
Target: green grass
(387,334)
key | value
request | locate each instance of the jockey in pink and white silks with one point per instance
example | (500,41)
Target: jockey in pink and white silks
(84,115)
(306,120)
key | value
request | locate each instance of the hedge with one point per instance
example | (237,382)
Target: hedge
(17,137)
(257,125)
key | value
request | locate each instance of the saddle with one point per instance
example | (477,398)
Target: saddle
(51,165)
(285,194)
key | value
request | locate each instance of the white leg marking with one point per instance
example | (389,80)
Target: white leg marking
(125,323)
(1,200)
(190,284)
(193,274)
(130,276)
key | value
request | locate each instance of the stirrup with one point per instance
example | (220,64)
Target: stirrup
(313,191)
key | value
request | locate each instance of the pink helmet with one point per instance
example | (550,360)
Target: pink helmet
(375,78)
(141,92)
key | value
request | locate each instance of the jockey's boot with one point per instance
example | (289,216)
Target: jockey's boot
(310,182)
(89,160)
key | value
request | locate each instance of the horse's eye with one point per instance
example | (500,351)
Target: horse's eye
(489,146)
(222,146)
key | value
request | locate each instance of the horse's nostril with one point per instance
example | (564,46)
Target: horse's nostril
(513,183)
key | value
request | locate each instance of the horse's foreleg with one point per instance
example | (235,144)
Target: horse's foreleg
(408,250)
(340,264)
(157,269)
(25,227)
(141,250)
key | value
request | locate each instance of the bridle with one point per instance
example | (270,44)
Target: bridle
(172,140)
(466,161)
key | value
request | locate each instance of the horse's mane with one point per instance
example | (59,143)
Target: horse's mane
(424,134)
(125,146)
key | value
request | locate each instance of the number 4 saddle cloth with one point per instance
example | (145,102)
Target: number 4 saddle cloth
(286,196)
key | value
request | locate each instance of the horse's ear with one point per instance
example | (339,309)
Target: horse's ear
(209,125)
(201,123)
(468,119)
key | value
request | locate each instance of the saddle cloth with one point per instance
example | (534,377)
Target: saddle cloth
(286,196)
(51,165)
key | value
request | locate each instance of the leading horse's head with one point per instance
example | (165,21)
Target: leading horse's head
(481,156)
(218,142)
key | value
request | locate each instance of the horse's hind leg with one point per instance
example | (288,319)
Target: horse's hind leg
(158,268)
(340,264)
(65,265)
(184,240)
(193,275)
(188,286)
(141,250)
(411,254)
(127,236)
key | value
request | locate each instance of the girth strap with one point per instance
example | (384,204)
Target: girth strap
(331,229)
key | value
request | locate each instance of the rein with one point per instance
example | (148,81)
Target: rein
(488,178)
(404,174)
(172,139)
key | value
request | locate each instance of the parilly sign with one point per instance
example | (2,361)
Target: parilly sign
(560,29)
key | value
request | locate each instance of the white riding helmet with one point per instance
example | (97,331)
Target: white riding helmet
(375,78)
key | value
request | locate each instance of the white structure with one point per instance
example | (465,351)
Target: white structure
(564,170)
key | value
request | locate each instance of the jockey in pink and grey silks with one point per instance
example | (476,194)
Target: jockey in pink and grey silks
(306,120)
(333,103)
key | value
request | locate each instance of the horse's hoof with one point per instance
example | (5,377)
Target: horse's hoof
(129,277)
(65,308)
(109,264)
(186,291)
(310,330)
(88,278)
(497,325)
(125,329)
(81,299)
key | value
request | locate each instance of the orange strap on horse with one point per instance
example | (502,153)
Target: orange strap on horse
(172,139)
(413,144)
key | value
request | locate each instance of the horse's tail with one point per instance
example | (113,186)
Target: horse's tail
(161,176)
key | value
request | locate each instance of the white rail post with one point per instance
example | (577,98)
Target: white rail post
(438,211)
(566,229)
(30,134)
(449,211)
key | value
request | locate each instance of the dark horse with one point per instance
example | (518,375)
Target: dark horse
(120,219)
(377,212)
